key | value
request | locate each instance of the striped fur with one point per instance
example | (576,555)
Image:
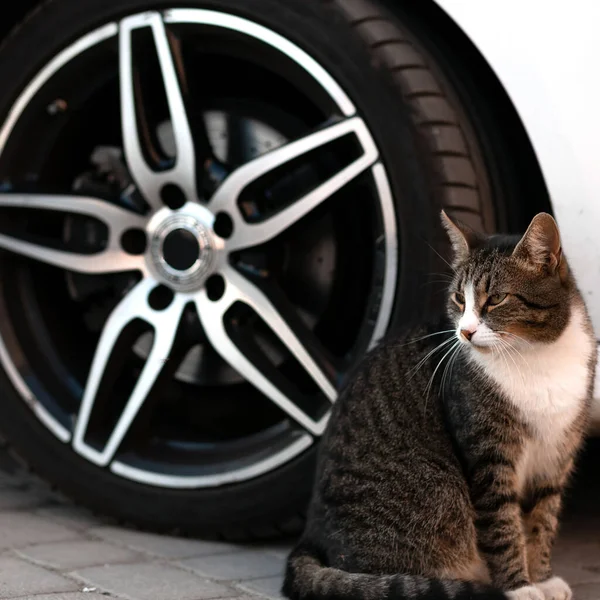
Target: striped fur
(308,578)
(442,469)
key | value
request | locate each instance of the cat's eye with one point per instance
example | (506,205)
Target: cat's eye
(458,298)
(496,299)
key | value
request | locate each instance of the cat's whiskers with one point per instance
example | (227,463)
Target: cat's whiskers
(430,383)
(447,275)
(424,337)
(441,278)
(525,366)
(523,357)
(453,269)
(499,346)
(514,335)
(420,364)
(453,360)
(508,348)
(515,349)
(447,374)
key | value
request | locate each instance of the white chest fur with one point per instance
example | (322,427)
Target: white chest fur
(548,385)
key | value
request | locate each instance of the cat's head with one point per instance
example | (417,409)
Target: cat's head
(509,290)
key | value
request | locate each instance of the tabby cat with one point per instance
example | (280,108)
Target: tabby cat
(442,468)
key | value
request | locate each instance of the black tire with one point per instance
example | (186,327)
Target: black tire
(433,158)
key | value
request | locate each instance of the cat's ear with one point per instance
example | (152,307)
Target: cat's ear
(541,247)
(462,238)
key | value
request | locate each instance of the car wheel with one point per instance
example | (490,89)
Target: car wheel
(209,212)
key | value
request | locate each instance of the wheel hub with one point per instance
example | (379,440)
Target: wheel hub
(183,248)
(180,249)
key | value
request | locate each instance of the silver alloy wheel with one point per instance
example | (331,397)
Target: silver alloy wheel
(213,251)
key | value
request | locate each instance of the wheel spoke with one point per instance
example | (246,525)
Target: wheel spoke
(239,289)
(133,307)
(111,259)
(151,182)
(251,234)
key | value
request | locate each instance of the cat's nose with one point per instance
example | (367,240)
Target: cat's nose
(467,334)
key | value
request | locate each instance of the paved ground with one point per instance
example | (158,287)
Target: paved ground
(51,550)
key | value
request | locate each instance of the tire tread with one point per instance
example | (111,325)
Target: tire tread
(433,109)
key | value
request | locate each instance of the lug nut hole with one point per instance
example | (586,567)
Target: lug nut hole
(134,241)
(160,297)
(223,226)
(172,195)
(215,287)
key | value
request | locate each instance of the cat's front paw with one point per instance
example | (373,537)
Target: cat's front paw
(527,592)
(556,588)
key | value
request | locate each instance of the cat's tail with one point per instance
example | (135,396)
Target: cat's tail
(308,579)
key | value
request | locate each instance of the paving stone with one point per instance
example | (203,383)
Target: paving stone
(153,582)
(70,515)
(248,564)
(574,575)
(281,549)
(269,586)
(59,535)
(68,596)
(161,545)
(22,529)
(19,578)
(580,553)
(77,554)
(586,591)
(576,561)
(581,528)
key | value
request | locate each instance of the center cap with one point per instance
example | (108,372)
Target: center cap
(182,252)
(181,249)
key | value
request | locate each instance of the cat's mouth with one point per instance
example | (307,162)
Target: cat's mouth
(480,341)
(489,342)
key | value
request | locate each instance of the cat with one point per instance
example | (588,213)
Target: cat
(441,471)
